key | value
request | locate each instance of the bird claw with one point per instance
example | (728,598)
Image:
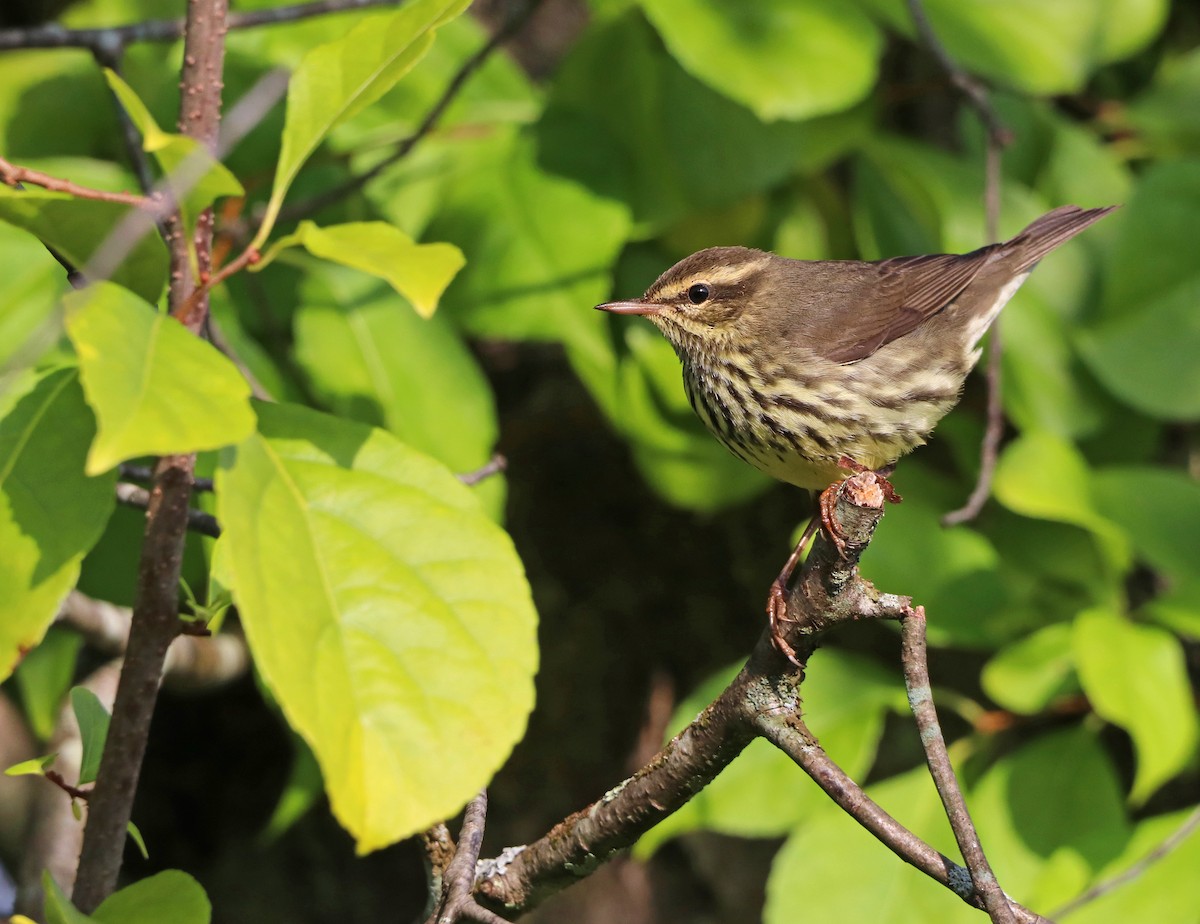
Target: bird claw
(777,618)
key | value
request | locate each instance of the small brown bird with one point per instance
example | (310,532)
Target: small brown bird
(810,370)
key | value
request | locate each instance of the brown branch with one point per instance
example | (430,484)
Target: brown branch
(763,700)
(458,898)
(997,138)
(1185,830)
(915,660)
(113,39)
(493,466)
(155,613)
(198,521)
(522,12)
(14,175)
(145,473)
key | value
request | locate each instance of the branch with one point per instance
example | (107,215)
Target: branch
(920,699)
(494,466)
(998,137)
(763,700)
(458,899)
(14,175)
(112,40)
(198,521)
(155,614)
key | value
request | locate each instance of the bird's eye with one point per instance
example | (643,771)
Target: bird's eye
(698,293)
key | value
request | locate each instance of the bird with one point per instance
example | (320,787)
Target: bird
(812,370)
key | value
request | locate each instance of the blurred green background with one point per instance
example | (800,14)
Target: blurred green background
(607,141)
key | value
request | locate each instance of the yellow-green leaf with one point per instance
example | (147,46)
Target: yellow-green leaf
(155,388)
(388,614)
(419,272)
(51,514)
(1136,677)
(170,896)
(337,80)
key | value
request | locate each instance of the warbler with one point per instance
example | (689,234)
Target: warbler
(812,369)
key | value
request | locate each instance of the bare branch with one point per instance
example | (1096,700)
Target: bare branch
(14,175)
(114,38)
(998,137)
(132,495)
(458,900)
(145,473)
(920,698)
(155,617)
(494,466)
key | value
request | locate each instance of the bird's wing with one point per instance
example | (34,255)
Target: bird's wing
(905,292)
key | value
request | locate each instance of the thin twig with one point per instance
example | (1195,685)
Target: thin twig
(54,35)
(133,495)
(13,175)
(156,608)
(307,207)
(915,660)
(493,466)
(458,901)
(1185,830)
(997,138)
(131,472)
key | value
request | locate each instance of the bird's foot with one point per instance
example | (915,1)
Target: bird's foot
(829,497)
(778,618)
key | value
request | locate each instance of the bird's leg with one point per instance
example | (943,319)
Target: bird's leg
(777,614)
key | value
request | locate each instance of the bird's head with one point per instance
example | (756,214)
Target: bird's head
(699,300)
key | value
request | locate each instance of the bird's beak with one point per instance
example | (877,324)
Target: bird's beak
(633,307)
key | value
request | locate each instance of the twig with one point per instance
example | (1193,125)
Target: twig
(915,660)
(155,616)
(132,472)
(115,38)
(13,175)
(307,207)
(1185,830)
(73,791)
(132,495)
(494,466)
(998,137)
(437,850)
(458,901)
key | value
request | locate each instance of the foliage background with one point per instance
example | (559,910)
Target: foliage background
(619,137)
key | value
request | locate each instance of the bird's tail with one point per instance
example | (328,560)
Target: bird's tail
(1052,229)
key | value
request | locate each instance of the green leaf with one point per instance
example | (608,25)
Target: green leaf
(1167,114)
(539,250)
(371,358)
(171,895)
(44,676)
(30,310)
(35,766)
(338,80)
(649,134)
(1042,476)
(93,721)
(1149,328)
(59,909)
(77,228)
(1026,677)
(181,158)
(51,514)
(785,59)
(1136,677)
(389,616)
(301,791)
(1050,807)
(419,272)
(1166,891)
(135,835)
(1037,47)
(1159,509)
(156,388)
